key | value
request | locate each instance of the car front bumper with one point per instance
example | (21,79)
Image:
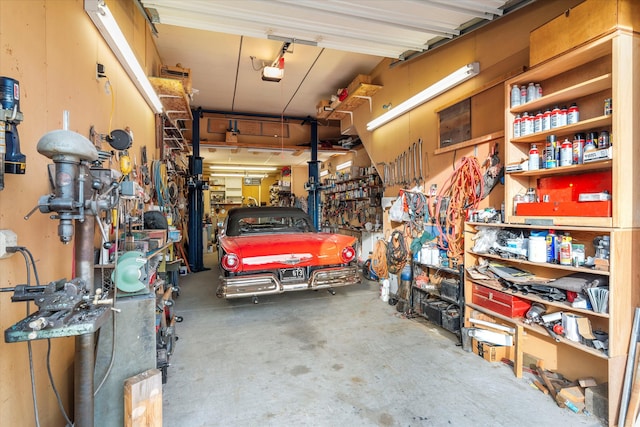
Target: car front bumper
(269,284)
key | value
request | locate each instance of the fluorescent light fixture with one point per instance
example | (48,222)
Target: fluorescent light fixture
(269,150)
(272,74)
(110,31)
(324,172)
(344,165)
(239,175)
(243,168)
(460,75)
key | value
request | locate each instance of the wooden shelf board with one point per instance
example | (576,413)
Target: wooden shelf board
(568,94)
(534,298)
(471,142)
(354,100)
(583,125)
(548,221)
(565,170)
(539,330)
(537,227)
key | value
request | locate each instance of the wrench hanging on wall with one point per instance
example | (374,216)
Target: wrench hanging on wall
(420,177)
(409,157)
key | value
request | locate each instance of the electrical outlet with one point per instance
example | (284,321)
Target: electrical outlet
(7,238)
(100,73)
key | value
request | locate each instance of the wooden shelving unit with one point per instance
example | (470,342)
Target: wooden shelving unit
(586,75)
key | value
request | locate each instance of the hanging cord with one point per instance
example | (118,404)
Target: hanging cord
(53,385)
(396,252)
(23,251)
(379,259)
(416,202)
(461,192)
(160,182)
(113,319)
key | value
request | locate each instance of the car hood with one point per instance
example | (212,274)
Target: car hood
(269,251)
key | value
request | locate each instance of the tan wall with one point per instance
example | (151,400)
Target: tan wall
(52,47)
(502,48)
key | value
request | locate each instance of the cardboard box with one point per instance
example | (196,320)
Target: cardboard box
(489,352)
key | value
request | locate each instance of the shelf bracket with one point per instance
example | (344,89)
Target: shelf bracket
(350,113)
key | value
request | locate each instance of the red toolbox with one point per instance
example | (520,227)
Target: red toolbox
(500,302)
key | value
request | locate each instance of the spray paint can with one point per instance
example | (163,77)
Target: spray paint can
(566,153)
(534,158)
(603,140)
(573,114)
(550,152)
(537,122)
(608,106)
(592,141)
(546,120)
(578,148)
(516,126)
(552,247)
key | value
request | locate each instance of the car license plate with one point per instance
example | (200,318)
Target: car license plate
(292,274)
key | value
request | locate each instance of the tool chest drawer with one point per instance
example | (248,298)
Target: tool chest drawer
(500,302)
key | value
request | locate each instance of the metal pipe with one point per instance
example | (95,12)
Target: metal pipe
(628,373)
(83,384)
(305,120)
(84,354)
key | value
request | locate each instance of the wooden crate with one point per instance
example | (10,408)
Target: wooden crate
(178,73)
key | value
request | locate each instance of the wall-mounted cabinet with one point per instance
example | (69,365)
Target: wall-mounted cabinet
(589,77)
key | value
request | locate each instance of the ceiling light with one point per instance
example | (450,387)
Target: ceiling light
(324,172)
(344,165)
(244,168)
(269,150)
(239,175)
(460,75)
(110,31)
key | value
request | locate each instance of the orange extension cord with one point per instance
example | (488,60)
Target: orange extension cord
(461,188)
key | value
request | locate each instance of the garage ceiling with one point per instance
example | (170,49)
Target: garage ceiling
(226,43)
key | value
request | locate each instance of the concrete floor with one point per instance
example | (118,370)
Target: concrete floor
(313,359)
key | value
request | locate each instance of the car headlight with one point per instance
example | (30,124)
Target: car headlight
(348,254)
(230,262)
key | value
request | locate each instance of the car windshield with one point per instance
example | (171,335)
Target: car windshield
(271,224)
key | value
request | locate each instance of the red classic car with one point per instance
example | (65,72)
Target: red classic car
(271,250)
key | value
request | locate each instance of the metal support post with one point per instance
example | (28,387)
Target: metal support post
(314,177)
